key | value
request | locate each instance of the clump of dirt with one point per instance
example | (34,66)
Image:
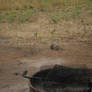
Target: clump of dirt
(55,47)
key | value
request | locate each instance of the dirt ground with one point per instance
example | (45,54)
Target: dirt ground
(27,47)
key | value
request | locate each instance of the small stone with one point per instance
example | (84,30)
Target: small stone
(16,74)
(31,7)
(42,10)
(54,47)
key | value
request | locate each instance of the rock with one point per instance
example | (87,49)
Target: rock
(42,9)
(31,7)
(55,47)
(16,74)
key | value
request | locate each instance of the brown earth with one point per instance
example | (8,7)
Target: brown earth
(27,47)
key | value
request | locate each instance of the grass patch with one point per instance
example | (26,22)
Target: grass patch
(17,15)
(20,11)
(71,9)
(14,4)
(20,4)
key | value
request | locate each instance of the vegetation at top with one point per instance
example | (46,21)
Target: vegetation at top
(23,10)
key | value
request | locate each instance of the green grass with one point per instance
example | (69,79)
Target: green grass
(68,11)
(36,35)
(17,15)
(20,11)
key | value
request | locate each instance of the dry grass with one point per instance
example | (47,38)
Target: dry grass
(14,4)
(19,10)
(17,4)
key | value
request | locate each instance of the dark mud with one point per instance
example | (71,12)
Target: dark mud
(60,78)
